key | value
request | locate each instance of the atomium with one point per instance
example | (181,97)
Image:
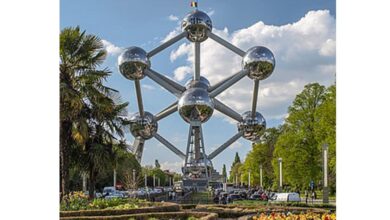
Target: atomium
(196,24)
(252,128)
(132,63)
(197,99)
(144,127)
(260,62)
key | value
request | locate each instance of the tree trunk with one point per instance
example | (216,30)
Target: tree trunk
(65,135)
(92,180)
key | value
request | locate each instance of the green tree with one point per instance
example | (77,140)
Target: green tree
(157,164)
(325,131)
(89,111)
(236,159)
(79,55)
(297,145)
(224,174)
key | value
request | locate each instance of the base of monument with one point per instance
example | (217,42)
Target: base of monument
(197,184)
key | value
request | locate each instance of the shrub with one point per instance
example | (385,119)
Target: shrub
(74,201)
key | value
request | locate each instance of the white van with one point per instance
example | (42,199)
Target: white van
(286,197)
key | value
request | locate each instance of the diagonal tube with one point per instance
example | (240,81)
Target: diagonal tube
(152,75)
(167,44)
(228,83)
(225,44)
(167,111)
(218,105)
(139,98)
(170,146)
(211,88)
(169,81)
(255,95)
(225,145)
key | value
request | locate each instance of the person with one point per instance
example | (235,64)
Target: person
(306,196)
(313,194)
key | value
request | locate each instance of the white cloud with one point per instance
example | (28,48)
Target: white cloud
(148,87)
(173,18)
(181,72)
(236,145)
(172,166)
(210,13)
(304,53)
(111,49)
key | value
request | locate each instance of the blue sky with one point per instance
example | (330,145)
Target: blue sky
(301,33)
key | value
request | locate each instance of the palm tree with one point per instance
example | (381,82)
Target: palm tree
(88,112)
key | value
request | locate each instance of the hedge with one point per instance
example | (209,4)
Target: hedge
(146,216)
(166,207)
(234,211)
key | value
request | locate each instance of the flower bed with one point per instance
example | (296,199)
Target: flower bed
(150,216)
(157,207)
(290,216)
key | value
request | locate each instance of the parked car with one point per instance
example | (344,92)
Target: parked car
(108,190)
(234,197)
(286,197)
(255,196)
(116,194)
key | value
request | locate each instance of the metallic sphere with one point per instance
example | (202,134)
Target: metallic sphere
(195,105)
(202,83)
(144,127)
(260,62)
(253,128)
(196,24)
(132,63)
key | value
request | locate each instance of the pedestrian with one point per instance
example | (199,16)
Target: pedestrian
(313,194)
(306,196)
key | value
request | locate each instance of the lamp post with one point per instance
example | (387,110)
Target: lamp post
(114,178)
(249,179)
(158,182)
(241,180)
(134,184)
(325,197)
(280,174)
(261,176)
(154,180)
(146,181)
(236,180)
(84,175)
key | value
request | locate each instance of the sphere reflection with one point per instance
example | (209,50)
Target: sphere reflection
(196,24)
(253,128)
(144,127)
(195,105)
(132,63)
(260,62)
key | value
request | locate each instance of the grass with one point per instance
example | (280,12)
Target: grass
(250,202)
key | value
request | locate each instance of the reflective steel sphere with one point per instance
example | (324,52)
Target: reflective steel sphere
(196,24)
(144,127)
(260,62)
(132,63)
(195,105)
(202,83)
(253,127)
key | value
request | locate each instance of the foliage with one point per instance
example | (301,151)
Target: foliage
(297,144)
(158,173)
(74,201)
(90,121)
(290,216)
(157,164)
(102,203)
(261,155)
(224,174)
(311,123)
(234,169)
